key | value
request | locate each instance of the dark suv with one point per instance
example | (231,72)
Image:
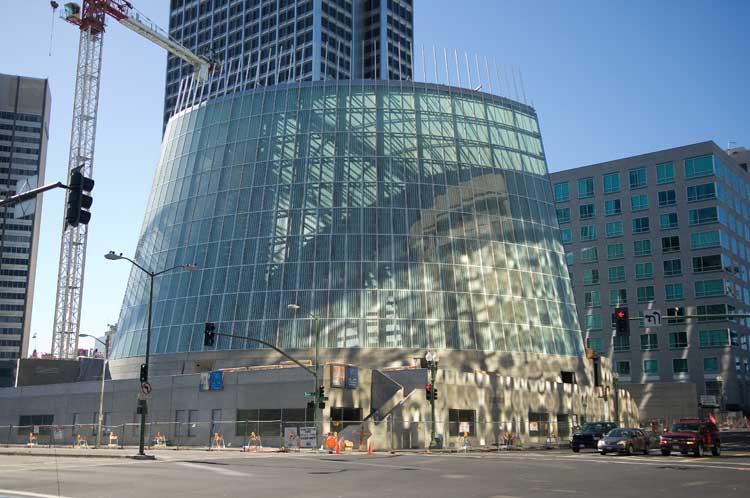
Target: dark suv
(589,435)
(691,435)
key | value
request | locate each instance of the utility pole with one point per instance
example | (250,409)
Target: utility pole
(432,367)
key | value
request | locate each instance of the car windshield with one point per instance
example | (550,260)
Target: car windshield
(589,427)
(685,427)
(618,433)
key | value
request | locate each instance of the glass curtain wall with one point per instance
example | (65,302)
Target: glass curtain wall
(405,215)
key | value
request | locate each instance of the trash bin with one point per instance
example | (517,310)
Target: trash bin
(439,441)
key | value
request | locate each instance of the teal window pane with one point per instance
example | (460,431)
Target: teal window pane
(614,229)
(702,192)
(709,288)
(621,344)
(674,292)
(618,297)
(679,365)
(651,367)
(714,338)
(639,202)
(585,188)
(668,221)
(588,233)
(641,225)
(612,207)
(611,183)
(711,364)
(616,274)
(563,215)
(637,178)
(664,173)
(642,247)
(586,211)
(615,251)
(645,294)
(696,167)
(678,340)
(562,192)
(649,342)
(667,198)
(644,271)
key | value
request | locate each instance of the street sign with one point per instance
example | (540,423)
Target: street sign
(142,396)
(146,388)
(652,318)
(307,437)
(216,382)
(309,393)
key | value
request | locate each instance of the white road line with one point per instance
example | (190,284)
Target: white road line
(13,492)
(213,468)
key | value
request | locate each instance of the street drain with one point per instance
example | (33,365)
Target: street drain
(673,467)
(205,462)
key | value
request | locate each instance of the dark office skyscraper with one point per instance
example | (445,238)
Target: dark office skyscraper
(264,42)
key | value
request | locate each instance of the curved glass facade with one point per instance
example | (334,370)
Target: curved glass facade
(405,215)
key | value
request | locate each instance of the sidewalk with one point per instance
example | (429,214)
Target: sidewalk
(127,452)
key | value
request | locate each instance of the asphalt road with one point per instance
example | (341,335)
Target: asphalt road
(529,474)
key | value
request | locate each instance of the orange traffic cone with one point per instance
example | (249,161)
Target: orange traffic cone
(369,448)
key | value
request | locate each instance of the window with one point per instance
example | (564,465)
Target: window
(26,424)
(639,202)
(588,233)
(455,417)
(678,340)
(679,365)
(569,258)
(702,192)
(622,367)
(710,364)
(706,240)
(673,292)
(644,271)
(649,342)
(718,338)
(563,215)
(672,267)
(616,274)
(664,173)
(637,178)
(645,294)
(642,247)
(595,343)
(566,235)
(667,198)
(615,251)
(611,183)
(586,211)
(713,309)
(612,207)
(673,313)
(614,229)
(709,288)
(651,367)
(590,276)
(562,192)
(668,221)
(702,264)
(585,188)
(592,299)
(618,297)
(593,322)
(621,343)
(696,167)
(703,216)
(568,377)
(589,255)
(670,244)
(640,225)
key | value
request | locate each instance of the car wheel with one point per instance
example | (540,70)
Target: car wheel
(716,450)
(666,452)
(645,449)
(699,450)
(603,452)
(629,449)
(576,449)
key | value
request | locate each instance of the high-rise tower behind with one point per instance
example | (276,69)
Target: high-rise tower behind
(264,42)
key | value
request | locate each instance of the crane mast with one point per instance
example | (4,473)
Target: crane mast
(90,17)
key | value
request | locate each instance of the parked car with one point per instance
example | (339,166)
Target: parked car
(691,436)
(626,441)
(589,435)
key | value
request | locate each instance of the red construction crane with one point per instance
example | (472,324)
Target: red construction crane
(91,17)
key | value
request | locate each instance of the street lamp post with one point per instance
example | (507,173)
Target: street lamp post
(112,256)
(317,400)
(100,418)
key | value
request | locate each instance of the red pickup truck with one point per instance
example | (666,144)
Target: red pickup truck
(691,435)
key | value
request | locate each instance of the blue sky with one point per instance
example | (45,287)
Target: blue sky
(609,79)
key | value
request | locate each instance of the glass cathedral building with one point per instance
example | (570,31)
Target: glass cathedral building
(405,215)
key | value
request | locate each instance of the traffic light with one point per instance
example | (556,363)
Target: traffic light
(144,372)
(622,322)
(209,334)
(434,394)
(79,203)
(428,392)
(322,397)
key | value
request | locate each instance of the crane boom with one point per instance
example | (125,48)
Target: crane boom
(90,18)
